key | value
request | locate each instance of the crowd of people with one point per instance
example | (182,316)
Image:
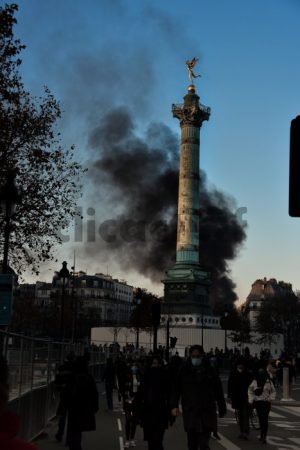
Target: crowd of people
(252,385)
(149,391)
(195,383)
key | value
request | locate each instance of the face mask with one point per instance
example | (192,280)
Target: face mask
(240,370)
(196,361)
(262,378)
(134,369)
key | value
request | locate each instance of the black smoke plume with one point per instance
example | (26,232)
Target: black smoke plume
(140,176)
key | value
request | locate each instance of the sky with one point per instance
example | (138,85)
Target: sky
(99,54)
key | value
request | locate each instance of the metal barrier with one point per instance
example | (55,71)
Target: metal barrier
(33,364)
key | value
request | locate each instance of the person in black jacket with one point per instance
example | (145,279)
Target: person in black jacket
(199,388)
(131,385)
(121,375)
(154,406)
(109,377)
(239,380)
(82,403)
(61,380)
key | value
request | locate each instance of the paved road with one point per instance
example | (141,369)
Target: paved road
(284,433)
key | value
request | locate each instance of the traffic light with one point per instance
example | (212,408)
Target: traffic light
(6,298)
(138,296)
(294,181)
(173,341)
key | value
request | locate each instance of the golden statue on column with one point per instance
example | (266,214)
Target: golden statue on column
(190,65)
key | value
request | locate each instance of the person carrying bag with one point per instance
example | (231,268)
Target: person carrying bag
(260,393)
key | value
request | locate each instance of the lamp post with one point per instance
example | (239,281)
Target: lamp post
(288,324)
(155,321)
(225,330)
(64,274)
(138,301)
(9,197)
(168,339)
(202,328)
(137,344)
(74,304)
(296,334)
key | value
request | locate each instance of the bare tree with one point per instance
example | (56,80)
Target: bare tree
(30,146)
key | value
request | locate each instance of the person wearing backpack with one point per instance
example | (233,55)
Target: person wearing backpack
(82,403)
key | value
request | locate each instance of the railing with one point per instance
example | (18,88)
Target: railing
(180,106)
(33,364)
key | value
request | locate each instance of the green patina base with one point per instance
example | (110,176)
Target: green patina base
(186,290)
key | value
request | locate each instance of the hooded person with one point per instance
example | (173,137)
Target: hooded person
(238,383)
(199,388)
(81,402)
(154,405)
(9,422)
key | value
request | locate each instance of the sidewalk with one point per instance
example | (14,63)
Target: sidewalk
(109,435)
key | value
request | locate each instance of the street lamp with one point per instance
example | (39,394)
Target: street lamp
(288,323)
(168,338)
(155,321)
(225,330)
(9,198)
(202,327)
(74,303)
(64,274)
(138,301)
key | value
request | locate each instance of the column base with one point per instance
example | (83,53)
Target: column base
(186,290)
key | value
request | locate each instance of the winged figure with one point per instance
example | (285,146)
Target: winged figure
(190,65)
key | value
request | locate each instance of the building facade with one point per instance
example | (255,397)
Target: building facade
(107,300)
(262,289)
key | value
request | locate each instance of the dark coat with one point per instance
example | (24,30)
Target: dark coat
(82,402)
(61,380)
(153,401)
(199,389)
(238,384)
(130,393)
(121,375)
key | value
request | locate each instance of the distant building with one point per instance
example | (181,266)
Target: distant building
(109,301)
(109,298)
(262,289)
(43,293)
(26,289)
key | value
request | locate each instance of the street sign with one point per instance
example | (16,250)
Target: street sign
(6,299)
